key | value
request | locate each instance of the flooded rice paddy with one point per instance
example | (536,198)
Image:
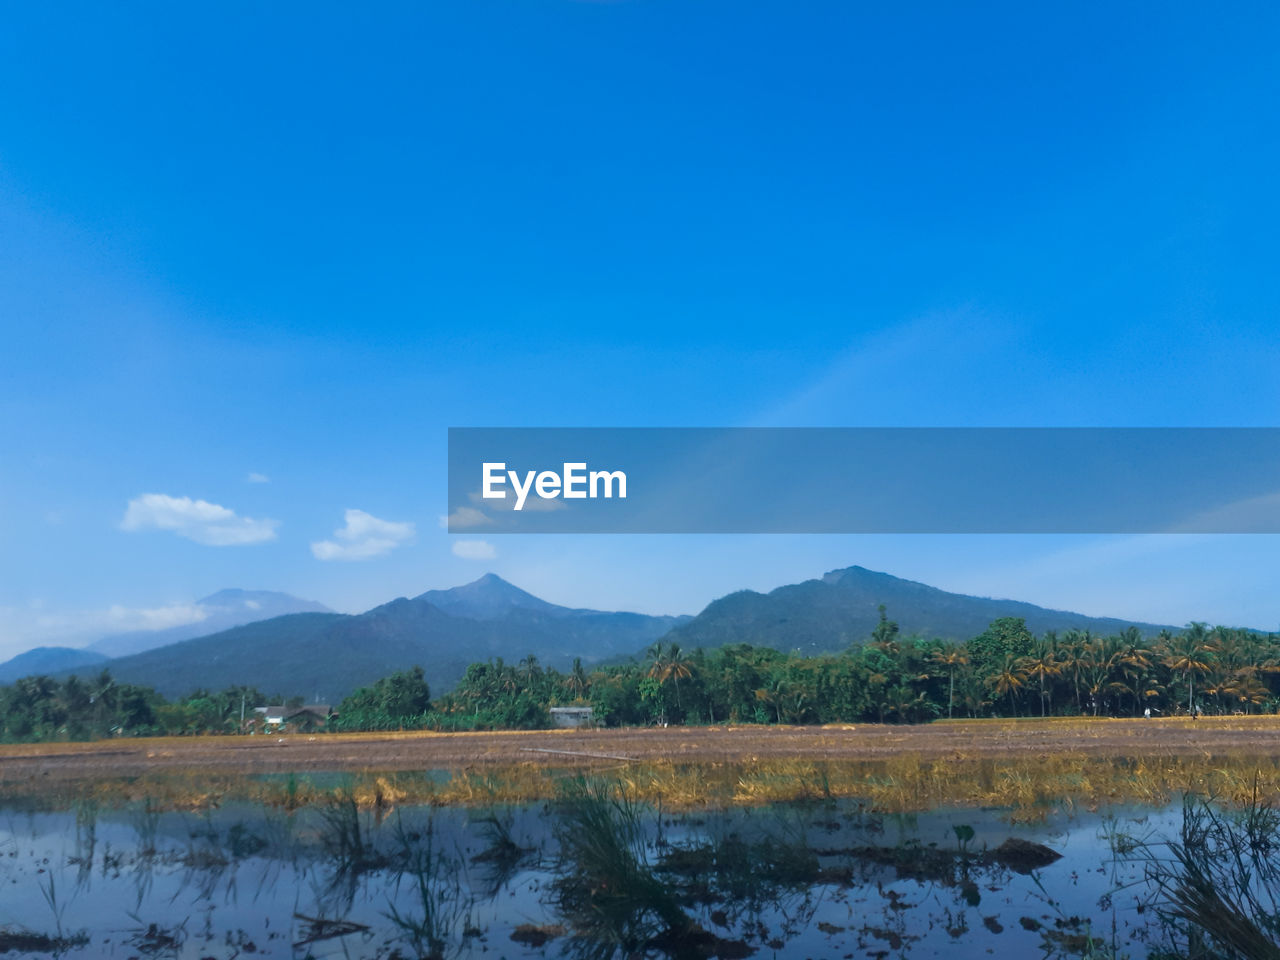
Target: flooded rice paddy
(597,871)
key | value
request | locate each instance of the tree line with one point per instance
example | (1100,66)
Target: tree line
(1004,672)
(41,708)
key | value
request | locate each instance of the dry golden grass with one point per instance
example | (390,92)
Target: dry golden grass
(1030,766)
(1029,787)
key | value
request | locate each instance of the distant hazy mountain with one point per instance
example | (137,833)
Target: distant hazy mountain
(842,608)
(490,598)
(223,610)
(47,660)
(326,655)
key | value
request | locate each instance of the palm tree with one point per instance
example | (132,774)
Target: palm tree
(1092,661)
(577,680)
(772,695)
(74,699)
(1147,688)
(508,680)
(103,698)
(670,663)
(952,658)
(1135,665)
(1044,664)
(1103,662)
(1251,692)
(1220,690)
(909,705)
(530,668)
(1009,679)
(1190,653)
(885,635)
(1072,653)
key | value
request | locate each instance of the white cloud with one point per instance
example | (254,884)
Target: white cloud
(474,550)
(257,478)
(156,618)
(363,537)
(197,520)
(34,625)
(465,517)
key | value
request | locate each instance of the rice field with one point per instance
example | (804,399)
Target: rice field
(1027,766)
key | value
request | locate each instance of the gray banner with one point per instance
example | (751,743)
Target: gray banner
(864,480)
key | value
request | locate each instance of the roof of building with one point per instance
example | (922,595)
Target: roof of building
(279,710)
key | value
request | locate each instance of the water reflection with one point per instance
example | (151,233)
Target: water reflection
(596,875)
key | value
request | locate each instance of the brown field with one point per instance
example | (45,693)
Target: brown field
(1028,766)
(960,740)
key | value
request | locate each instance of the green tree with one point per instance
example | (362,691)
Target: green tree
(669,664)
(951,659)
(1191,653)
(1009,680)
(885,633)
(1005,637)
(1043,666)
(391,702)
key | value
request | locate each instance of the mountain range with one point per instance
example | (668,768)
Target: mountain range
(323,655)
(842,608)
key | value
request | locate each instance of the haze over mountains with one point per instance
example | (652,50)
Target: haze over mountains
(47,661)
(222,611)
(323,655)
(214,613)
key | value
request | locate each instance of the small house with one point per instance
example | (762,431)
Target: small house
(571,716)
(304,719)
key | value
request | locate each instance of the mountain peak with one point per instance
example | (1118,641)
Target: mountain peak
(488,598)
(223,596)
(855,573)
(493,585)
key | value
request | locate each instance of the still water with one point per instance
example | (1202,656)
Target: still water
(588,877)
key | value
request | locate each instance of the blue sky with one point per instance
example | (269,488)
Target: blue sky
(301,241)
